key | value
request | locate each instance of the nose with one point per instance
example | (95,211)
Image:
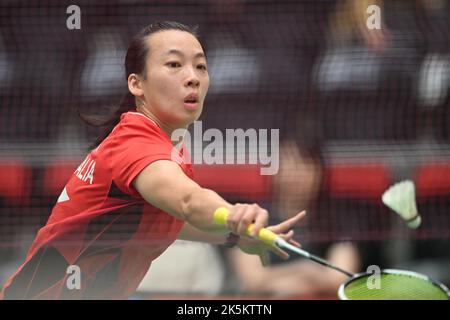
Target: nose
(192,79)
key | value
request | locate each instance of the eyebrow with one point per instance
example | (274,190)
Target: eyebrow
(178,52)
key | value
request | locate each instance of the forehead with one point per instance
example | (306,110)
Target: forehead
(169,40)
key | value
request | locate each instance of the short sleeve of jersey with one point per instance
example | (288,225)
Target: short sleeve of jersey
(134,144)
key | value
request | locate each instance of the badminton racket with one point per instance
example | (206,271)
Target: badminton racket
(391,284)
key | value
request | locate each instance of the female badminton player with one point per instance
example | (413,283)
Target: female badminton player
(133,194)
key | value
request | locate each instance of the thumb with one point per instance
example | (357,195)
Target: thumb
(264,258)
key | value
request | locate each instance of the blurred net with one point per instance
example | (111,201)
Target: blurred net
(357,109)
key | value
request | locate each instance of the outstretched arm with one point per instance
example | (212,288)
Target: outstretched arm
(164,185)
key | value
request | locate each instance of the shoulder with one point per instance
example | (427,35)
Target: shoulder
(134,119)
(135,126)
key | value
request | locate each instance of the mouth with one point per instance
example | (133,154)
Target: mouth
(191,102)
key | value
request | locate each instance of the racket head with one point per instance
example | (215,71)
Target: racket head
(394,285)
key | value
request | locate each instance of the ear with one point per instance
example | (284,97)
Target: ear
(135,85)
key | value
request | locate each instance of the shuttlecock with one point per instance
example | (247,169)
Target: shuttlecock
(401,197)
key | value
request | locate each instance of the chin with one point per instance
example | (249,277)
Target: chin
(188,123)
(183,123)
(193,117)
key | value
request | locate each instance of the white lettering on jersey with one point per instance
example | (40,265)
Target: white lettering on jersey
(85,170)
(90,174)
(80,168)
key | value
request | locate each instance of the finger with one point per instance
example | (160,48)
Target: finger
(264,258)
(279,252)
(295,243)
(261,220)
(287,224)
(235,217)
(288,237)
(247,218)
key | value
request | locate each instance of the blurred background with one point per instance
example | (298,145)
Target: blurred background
(357,109)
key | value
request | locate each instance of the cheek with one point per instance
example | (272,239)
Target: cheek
(162,91)
(206,86)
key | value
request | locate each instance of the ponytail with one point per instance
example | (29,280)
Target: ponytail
(127,103)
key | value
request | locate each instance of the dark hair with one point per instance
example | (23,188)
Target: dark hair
(134,63)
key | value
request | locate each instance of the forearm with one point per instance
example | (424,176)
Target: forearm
(198,208)
(193,234)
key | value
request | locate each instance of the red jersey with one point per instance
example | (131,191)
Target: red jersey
(100,223)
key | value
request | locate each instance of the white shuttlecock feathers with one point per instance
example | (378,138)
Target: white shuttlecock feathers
(401,197)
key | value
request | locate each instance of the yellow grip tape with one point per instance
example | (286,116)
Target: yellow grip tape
(264,235)
(221,216)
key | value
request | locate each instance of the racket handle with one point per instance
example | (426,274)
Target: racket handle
(264,235)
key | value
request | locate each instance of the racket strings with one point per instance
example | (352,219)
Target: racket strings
(393,286)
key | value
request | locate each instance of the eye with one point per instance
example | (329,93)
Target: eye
(202,67)
(173,64)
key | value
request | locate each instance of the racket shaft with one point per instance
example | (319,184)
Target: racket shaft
(285,245)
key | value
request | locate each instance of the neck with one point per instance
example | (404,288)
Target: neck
(166,127)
